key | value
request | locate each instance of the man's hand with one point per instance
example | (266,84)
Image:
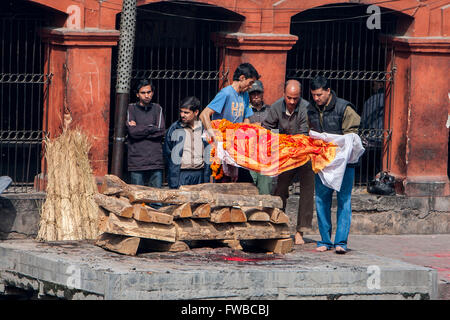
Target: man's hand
(132,123)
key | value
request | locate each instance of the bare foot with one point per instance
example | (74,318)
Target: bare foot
(299,238)
(340,250)
(321,248)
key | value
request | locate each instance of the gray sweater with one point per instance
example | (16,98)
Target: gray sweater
(296,123)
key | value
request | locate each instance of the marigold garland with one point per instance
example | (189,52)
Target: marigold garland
(216,166)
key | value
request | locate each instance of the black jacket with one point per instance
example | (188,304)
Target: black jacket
(173,169)
(145,139)
(330,119)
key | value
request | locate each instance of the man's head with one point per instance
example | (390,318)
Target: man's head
(377,86)
(320,90)
(292,92)
(144,92)
(256,93)
(245,74)
(189,110)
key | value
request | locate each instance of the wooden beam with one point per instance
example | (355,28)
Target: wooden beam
(156,245)
(277,216)
(278,246)
(112,185)
(237,215)
(201,210)
(118,206)
(119,243)
(174,196)
(201,229)
(220,215)
(241,188)
(103,215)
(131,227)
(215,194)
(178,211)
(148,214)
(233,244)
(256,214)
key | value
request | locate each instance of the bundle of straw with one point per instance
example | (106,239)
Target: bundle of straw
(69,211)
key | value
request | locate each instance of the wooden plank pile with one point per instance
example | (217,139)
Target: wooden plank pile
(226,212)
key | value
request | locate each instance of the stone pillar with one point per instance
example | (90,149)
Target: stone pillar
(266,52)
(80,61)
(420,111)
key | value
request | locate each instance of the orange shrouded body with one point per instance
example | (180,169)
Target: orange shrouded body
(256,148)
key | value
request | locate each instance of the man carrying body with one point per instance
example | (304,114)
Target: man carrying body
(334,115)
(184,147)
(146,128)
(260,110)
(231,103)
(289,115)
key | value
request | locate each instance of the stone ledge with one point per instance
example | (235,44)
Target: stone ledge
(373,214)
(199,274)
(19,215)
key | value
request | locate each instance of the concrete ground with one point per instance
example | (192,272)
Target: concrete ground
(431,251)
(81,270)
(408,236)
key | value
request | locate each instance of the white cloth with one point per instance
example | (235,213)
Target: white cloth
(230,167)
(349,150)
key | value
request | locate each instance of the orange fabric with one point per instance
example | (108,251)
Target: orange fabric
(256,148)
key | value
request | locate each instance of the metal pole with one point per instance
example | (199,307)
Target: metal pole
(125,64)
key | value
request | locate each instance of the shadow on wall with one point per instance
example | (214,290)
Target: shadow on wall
(20,215)
(8,215)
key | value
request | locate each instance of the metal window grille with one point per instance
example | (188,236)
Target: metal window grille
(22,81)
(174,50)
(336,43)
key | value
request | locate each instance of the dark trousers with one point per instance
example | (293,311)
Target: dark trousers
(188,176)
(151,178)
(306,201)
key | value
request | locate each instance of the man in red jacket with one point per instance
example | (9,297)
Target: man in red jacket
(146,129)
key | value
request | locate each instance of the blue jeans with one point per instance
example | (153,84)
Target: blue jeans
(324,196)
(151,178)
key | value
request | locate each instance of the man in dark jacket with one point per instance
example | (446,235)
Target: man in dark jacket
(146,128)
(289,115)
(185,151)
(334,115)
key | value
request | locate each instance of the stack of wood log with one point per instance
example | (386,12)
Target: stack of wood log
(227,212)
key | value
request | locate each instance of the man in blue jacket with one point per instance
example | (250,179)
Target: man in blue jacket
(185,152)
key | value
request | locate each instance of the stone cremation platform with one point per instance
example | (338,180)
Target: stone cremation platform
(82,270)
